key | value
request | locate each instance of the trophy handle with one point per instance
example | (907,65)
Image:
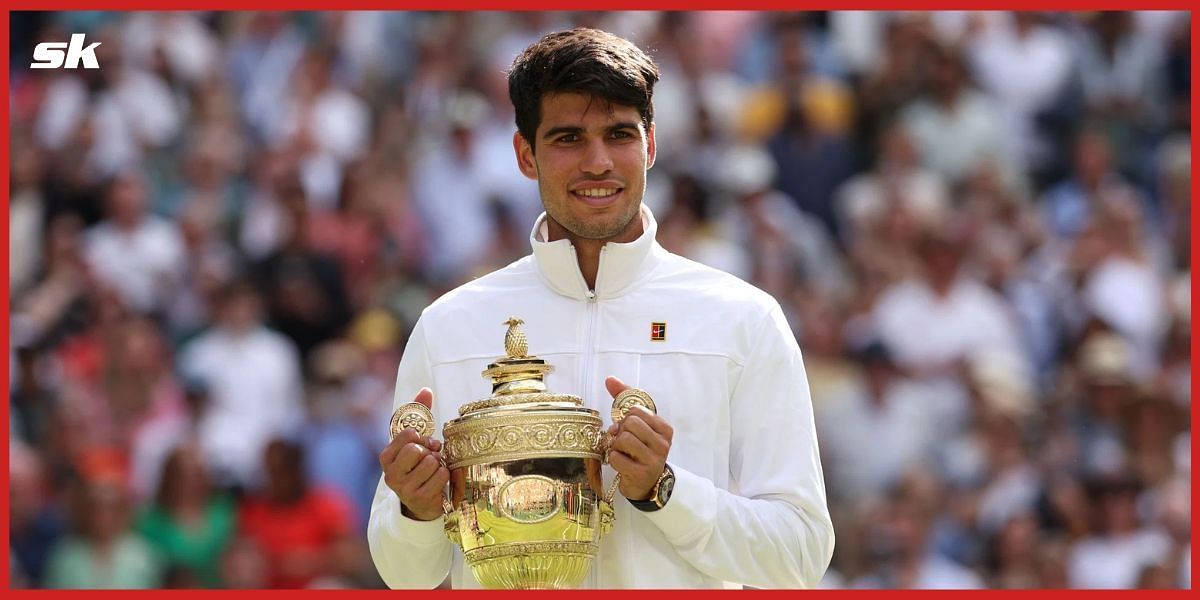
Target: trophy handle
(451,527)
(418,417)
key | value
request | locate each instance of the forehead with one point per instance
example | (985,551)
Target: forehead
(569,109)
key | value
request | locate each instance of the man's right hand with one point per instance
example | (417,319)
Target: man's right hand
(412,468)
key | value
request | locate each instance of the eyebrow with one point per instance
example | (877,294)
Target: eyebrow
(554,131)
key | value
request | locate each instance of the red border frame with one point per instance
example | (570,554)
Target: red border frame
(611,5)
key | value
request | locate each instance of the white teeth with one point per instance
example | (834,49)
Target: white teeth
(596,192)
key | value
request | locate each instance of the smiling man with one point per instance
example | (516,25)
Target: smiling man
(724,484)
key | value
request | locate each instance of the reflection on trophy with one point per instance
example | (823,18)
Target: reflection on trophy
(526,501)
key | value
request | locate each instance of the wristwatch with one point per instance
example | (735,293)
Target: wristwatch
(660,494)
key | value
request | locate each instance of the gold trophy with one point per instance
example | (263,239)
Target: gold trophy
(525,501)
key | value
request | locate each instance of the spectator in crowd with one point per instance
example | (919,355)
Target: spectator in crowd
(26,214)
(339,452)
(102,551)
(209,263)
(36,520)
(188,523)
(956,127)
(896,76)
(899,542)
(303,288)
(298,527)
(1122,87)
(137,254)
(886,408)
(254,381)
(1120,548)
(688,229)
(936,321)
(1094,181)
(897,178)
(812,160)
(787,245)
(1013,553)
(323,123)
(1027,66)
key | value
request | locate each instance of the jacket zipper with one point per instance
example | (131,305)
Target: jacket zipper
(589,340)
(589,345)
(587,373)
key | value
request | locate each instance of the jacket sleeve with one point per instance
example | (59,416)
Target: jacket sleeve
(408,553)
(776,531)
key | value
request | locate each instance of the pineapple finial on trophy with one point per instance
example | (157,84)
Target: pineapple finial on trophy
(515,343)
(517,373)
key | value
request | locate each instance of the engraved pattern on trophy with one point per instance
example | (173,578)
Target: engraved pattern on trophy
(523,436)
(525,398)
(509,550)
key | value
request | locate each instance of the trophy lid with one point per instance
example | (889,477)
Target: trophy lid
(518,377)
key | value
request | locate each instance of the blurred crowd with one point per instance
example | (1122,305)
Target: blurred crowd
(977,223)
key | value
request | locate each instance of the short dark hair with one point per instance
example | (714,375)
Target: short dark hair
(580,60)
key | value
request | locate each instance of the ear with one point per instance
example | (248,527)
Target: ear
(524,153)
(650,147)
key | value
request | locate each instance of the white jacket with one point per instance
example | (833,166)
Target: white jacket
(748,505)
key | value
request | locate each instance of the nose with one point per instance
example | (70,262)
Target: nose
(596,158)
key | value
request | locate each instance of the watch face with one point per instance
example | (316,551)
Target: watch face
(664,489)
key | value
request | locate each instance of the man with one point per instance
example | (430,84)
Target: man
(254,386)
(725,483)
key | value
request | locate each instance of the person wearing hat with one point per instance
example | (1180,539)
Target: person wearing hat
(724,483)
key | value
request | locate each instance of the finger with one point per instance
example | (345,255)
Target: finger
(422,472)
(630,445)
(625,465)
(615,386)
(656,423)
(433,444)
(639,426)
(425,396)
(409,457)
(435,484)
(389,453)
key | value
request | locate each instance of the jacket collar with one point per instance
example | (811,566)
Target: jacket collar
(621,265)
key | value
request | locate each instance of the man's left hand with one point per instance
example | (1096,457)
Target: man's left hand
(640,443)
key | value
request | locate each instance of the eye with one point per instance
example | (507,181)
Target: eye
(567,138)
(621,134)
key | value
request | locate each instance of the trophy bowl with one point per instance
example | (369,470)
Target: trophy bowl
(525,491)
(525,501)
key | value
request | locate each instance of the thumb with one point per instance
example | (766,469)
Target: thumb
(425,396)
(615,386)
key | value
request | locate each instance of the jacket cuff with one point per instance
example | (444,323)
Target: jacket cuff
(412,531)
(689,511)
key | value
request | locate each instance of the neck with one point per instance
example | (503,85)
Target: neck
(587,250)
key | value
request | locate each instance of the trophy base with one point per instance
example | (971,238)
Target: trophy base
(532,565)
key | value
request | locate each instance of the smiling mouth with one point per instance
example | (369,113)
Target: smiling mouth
(597,196)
